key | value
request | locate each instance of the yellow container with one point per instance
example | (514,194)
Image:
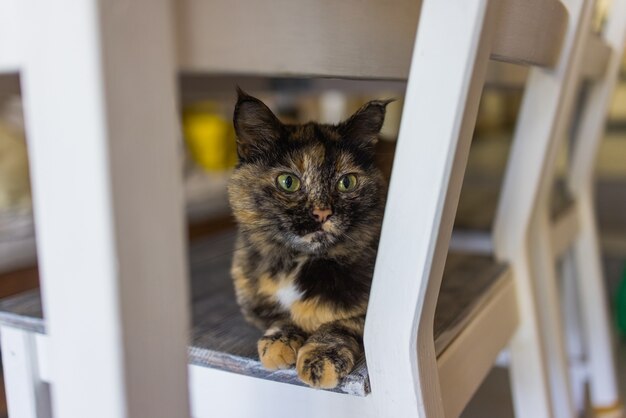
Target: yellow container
(209,137)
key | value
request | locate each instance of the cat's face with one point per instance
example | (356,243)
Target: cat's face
(311,187)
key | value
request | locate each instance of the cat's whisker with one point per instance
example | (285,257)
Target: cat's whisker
(345,235)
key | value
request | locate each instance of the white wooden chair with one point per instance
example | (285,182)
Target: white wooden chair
(564,226)
(582,257)
(98,84)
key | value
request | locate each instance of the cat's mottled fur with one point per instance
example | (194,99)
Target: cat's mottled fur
(303,280)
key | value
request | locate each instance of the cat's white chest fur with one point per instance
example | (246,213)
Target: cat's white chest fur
(287,295)
(288,292)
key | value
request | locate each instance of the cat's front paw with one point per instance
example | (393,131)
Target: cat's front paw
(278,349)
(323,366)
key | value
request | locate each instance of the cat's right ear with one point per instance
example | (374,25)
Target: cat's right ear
(257,128)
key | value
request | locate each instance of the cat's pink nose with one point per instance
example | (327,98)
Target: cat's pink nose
(322,214)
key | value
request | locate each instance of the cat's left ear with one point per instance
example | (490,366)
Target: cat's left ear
(365,124)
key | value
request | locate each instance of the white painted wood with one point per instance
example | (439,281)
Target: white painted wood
(44,365)
(592,295)
(346,38)
(349,38)
(594,66)
(418,220)
(28,396)
(570,310)
(528,368)
(286,34)
(546,105)
(211,393)
(540,125)
(548,297)
(595,110)
(521,37)
(603,387)
(238,396)
(472,354)
(494,323)
(96,110)
(504,359)
(11,39)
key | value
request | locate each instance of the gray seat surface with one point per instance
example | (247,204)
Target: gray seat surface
(222,339)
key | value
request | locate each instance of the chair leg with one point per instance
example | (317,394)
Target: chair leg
(529,380)
(547,101)
(103,149)
(398,335)
(27,395)
(592,296)
(547,295)
(601,364)
(570,309)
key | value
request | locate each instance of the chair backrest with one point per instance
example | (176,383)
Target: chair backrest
(588,133)
(352,39)
(595,108)
(547,103)
(435,133)
(548,100)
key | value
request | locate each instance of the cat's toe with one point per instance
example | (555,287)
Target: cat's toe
(278,352)
(323,366)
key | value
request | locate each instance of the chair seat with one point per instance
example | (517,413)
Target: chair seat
(222,339)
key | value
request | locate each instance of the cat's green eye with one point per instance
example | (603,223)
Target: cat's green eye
(347,183)
(288,182)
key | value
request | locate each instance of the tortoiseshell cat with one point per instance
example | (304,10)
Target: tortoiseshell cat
(309,203)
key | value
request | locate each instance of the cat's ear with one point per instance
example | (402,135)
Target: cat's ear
(365,124)
(257,128)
